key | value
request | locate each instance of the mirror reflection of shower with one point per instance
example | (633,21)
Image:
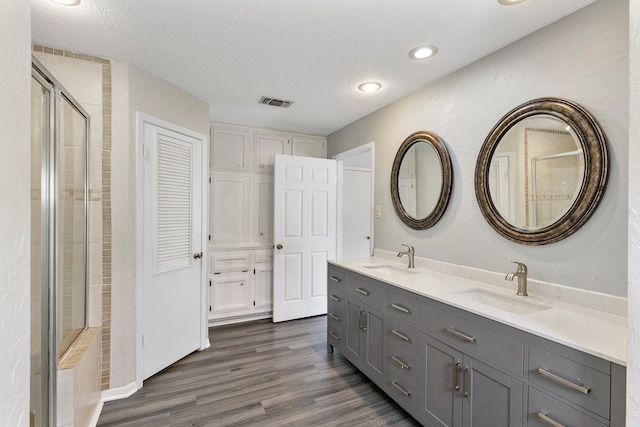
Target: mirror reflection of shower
(536,172)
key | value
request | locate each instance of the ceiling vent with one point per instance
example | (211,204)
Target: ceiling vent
(275,102)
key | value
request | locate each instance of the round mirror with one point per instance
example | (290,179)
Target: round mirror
(541,171)
(421,180)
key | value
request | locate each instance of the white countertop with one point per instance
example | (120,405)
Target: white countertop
(594,332)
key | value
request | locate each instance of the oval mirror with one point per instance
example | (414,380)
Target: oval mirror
(421,179)
(541,171)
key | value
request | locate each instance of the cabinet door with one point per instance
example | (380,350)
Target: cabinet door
(355,324)
(231,294)
(263,208)
(441,383)
(231,148)
(309,146)
(264,287)
(375,351)
(491,398)
(267,145)
(230,201)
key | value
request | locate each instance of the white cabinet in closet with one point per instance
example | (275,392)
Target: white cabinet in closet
(241,216)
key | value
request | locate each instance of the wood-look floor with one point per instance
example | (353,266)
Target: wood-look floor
(263,374)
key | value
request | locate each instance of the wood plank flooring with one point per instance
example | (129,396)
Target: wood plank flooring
(259,373)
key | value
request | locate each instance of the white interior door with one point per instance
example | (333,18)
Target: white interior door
(356,213)
(172,288)
(304,234)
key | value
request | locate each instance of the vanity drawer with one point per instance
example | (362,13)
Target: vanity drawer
(367,292)
(403,307)
(577,383)
(404,362)
(335,314)
(403,390)
(334,336)
(494,347)
(543,410)
(335,298)
(335,277)
(403,335)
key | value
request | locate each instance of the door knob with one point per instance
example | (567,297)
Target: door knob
(278,246)
(197,255)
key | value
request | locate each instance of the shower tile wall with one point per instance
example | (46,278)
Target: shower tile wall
(88,79)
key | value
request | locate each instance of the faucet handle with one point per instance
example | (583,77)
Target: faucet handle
(409,247)
(522,268)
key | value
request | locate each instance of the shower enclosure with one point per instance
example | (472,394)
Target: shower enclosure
(59,219)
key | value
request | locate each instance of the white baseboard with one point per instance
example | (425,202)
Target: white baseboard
(119,393)
(96,415)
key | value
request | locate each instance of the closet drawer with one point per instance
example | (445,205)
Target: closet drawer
(544,410)
(335,277)
(227,261)
(367,292)
(403,307)
(577,383)
(494,347)
(403,335)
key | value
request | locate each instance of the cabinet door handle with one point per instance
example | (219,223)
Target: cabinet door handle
(363,291)
(400,308)
(335,298)
(464,382)
(334,335)
(334,279)
(551,421)
(456,366)
(361,320)
(400,389)
(400,335)
(334,317)
(561,380)
(461,335)
(400,362)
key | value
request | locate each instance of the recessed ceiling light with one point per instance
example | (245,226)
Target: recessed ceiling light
(510,2)
(67,2)
(370,86)
(423,52)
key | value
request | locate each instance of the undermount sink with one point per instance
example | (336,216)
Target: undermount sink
(390,270)
(512,304)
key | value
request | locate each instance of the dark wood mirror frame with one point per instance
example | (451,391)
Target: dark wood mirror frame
(447,179)
(593,143)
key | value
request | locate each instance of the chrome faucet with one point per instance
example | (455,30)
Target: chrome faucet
(410,252)
(521,274)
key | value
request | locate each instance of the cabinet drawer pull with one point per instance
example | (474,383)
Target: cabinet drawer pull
(334,317)
(400,389)
(334,335)
(335,298)
(400,308)
(400,335)
(334,279)
(549,420)
(363,291)
(561,380)
(400,362)
(461,335)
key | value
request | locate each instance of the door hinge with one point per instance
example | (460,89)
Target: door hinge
(209,180)
(254,303)
(209,236)
(209,282)
(254,271)
(209,308)
(144,150)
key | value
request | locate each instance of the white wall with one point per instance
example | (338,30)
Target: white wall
(583,57)
(136,90)
(15,217)
(633,363)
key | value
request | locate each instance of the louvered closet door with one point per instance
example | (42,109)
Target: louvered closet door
(172,302)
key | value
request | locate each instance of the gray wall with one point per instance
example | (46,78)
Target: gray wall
(585,58)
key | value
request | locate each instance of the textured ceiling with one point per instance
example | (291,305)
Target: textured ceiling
(229,53)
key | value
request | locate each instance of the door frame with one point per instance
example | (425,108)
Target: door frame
(141,120)
(340,158)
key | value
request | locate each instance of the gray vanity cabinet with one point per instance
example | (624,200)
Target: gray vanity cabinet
(459,390)
(365,339)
